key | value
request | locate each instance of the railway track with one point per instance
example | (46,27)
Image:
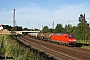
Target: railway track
(76,52)
(57,51)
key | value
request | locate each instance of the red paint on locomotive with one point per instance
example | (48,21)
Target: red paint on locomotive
(64,38)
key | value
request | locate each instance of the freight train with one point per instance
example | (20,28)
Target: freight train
(65,39)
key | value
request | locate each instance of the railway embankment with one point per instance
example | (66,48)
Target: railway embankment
(11,49)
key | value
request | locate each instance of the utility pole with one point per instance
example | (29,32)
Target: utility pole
(42,26)
(68,22)
(53,25)
(84,30)
(38,27)
(57,21)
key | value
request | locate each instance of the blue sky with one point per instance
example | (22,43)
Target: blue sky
(35,13)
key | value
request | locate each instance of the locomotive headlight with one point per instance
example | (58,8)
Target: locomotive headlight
(74,40)
(70,40)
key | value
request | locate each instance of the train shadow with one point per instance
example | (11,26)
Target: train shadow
(81,44)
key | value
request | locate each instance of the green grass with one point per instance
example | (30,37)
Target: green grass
(11,47)
(85,42)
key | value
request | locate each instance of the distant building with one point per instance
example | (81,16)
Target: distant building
(1,27)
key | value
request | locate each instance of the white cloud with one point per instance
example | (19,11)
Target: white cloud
(33,4)
(74,7)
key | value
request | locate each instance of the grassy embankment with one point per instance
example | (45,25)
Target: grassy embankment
(12,48)
(85,43)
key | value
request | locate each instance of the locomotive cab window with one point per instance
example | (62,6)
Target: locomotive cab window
(71,36)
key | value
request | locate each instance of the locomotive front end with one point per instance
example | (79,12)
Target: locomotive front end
(72,39)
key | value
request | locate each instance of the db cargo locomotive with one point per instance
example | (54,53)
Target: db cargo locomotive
(66,39)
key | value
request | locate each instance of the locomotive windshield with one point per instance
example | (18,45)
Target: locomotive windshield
(71,36)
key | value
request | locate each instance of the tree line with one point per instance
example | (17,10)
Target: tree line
(78,30)
(17,28)
(81,30)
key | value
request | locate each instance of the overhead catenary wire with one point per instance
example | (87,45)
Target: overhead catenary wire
(54,23)
(40,24)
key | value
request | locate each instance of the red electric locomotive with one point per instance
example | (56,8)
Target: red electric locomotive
(67,39)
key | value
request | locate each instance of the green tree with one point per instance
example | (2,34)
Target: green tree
(45,29)
(25,29)
(81,18)
(81,27)
(7,27)
(59,29)
(51,30)
(68,29)
(36,29)
(19,28)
